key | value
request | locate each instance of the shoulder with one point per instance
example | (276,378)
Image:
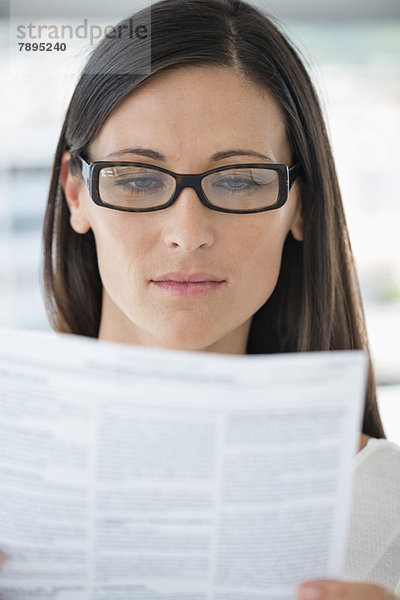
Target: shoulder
(377,481)
(376,476)
(378,447)
(374,537)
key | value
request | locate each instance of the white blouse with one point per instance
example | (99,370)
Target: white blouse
(373,552)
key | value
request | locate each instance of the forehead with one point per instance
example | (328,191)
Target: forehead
(192,112)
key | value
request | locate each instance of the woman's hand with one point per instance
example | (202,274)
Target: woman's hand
(332,589)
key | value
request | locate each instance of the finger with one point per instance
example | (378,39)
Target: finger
(331,589)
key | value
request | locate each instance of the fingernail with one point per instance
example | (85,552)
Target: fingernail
(310,592)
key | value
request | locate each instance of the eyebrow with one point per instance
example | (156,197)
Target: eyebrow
(148,153)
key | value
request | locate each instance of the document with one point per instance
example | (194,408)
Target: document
(156,474)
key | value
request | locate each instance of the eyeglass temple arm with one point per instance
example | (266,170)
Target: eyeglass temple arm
(85,169)
(293,172)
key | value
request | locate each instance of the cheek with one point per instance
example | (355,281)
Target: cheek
(120,246)
(262,246)
(259,254)
(264,271)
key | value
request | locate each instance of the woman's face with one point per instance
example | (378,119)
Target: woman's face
(187,115)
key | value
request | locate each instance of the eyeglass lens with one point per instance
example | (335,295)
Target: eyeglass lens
(142,187)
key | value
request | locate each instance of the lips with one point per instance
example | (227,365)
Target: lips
(188,285)
(179,277)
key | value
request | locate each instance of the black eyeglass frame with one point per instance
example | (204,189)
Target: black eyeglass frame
(90,173)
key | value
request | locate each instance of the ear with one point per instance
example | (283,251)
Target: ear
(74,190)
(297,223)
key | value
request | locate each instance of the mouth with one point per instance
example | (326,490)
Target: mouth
(179,277)
(188,285)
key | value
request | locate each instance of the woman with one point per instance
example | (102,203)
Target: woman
(254,258)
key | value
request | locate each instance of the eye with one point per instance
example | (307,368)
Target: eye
(234,183)
(139,183)
(246,183)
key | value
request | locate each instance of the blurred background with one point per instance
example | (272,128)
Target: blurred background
(352,50)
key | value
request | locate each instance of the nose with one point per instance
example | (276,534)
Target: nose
(190,224)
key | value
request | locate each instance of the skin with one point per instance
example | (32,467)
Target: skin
(331,589)
(188,114)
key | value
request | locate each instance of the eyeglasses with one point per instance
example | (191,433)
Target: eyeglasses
(140,187)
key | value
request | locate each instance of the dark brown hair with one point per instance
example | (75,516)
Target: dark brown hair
(316,304)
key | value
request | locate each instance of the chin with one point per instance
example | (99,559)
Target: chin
(185,340)
(186,344)
(185,330)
